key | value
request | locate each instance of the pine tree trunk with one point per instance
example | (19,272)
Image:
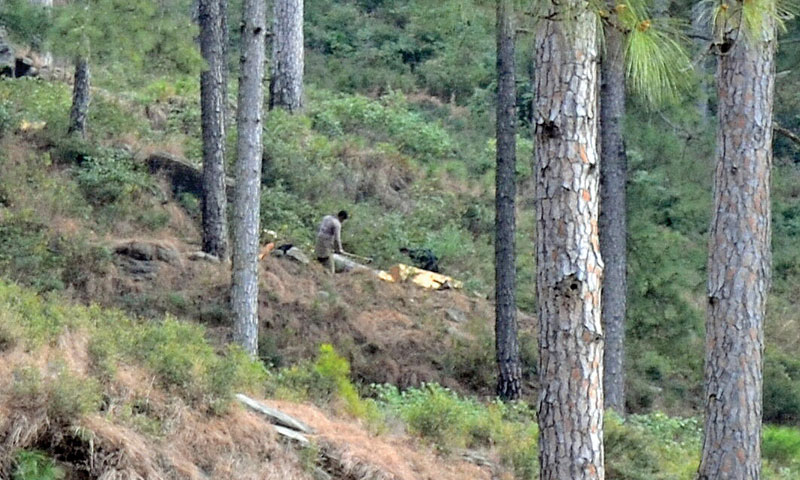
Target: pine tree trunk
(223,19)
(568,265)
(613,230)
(215,205)
(739,263)
(286,82)
(244,285)
(80,98)
(506,344)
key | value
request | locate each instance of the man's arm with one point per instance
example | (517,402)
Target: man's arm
(337,229)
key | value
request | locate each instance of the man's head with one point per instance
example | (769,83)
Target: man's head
(342,215)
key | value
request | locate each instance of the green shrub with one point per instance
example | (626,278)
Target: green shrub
(438,414)
(450,421)
(65,396)
(782,445)
(71,397)
(324,380)
(35,465)
(111,177)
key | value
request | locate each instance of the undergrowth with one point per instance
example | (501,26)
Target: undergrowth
(176,353)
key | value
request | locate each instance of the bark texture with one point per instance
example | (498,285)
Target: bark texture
(223,19)
(739,263)
(568,264)
(286,82)
(244,285)
(80,98)
(212,102)
(613,220)
(506,343)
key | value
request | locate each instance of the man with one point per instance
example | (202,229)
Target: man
(329,239)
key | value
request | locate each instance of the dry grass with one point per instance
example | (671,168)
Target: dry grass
(353,453)
(108,445)
(190,444)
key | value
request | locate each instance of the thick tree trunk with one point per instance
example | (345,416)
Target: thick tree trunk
(286,82)
(80,98)
(506,344)
(568,265)
(613,230)
(739,261)
(244,285)
(215,205)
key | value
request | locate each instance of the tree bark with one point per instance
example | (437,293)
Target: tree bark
(80,98)
(215,205)
(223,18)
(244,285)
(286,82)
(613,230)
(739,262)
(506,343)
(568,264)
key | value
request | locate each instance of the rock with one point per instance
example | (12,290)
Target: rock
(182,175)
(455,315)
(194,256)
(138,269)
(274,416)
(25,67)
(297,255)
(6,50)
(323,295)
(136,250)
(168,254)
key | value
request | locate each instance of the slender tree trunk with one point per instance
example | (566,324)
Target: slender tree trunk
(613,230)
(215,205)
(506,344)
(80,98)
(568,265)
(244,285)
(286,83)
(739,262)
(223,18)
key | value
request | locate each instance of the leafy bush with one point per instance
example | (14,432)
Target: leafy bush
(651,447)
(324,380)
(389,119)
(176,352)
(451,421)
(781,445)
(35,465)
(111,177)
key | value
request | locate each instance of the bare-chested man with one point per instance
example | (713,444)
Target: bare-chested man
(329,240)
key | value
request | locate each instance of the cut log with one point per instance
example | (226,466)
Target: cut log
(275,416)
(293,435)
